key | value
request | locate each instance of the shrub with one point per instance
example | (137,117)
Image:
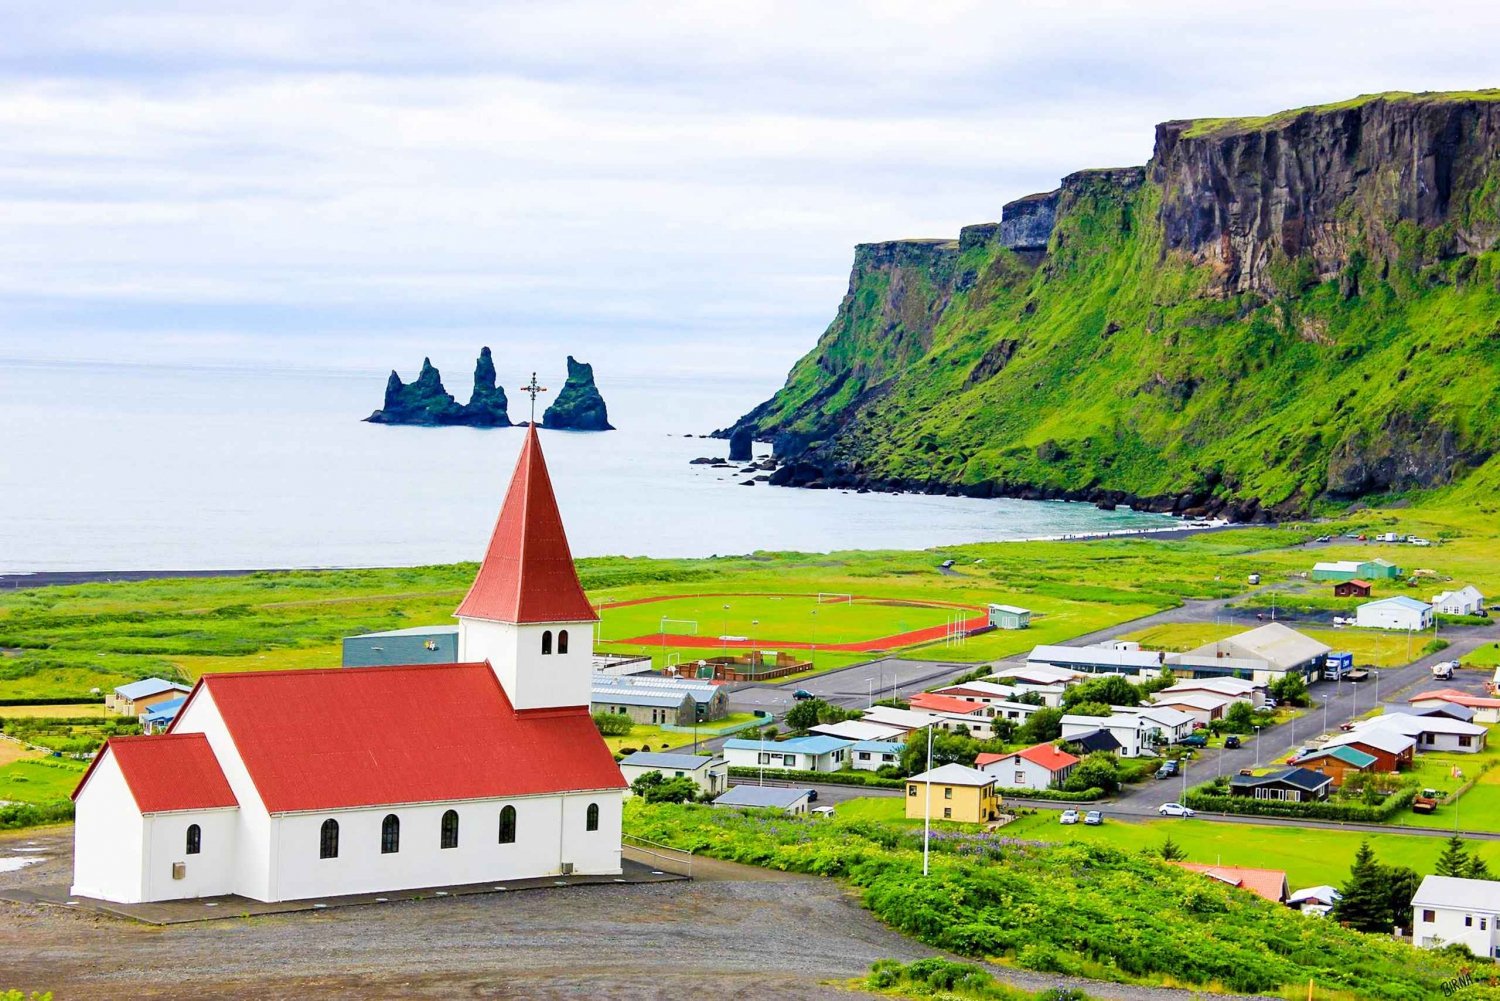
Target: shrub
(613,724)
(1209,800)
(17,815)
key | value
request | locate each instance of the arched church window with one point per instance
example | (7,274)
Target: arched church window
(508,825)
(546,642)
(194,839)
(390,835)
(450,829)
(562,641)
(591,819)
(328,839)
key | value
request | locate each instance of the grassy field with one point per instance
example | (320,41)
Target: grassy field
(769,619)
(1487,657)
(1309,856)
(39,780)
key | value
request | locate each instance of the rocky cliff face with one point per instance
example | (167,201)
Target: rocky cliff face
(1238,194)
(425,403)
(579,406)
(1271,312)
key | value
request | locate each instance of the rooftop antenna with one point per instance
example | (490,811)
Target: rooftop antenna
(532,388)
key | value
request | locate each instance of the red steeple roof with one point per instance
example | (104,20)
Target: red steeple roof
(527,574)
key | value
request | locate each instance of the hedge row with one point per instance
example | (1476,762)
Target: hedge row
(855,778)
(1248,806)
(35,814)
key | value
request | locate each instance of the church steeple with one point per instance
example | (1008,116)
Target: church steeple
(527,574)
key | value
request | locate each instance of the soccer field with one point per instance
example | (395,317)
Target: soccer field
(766,620)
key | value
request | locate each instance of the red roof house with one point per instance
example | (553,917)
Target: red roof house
(934,703)
(1268,883)
(1040,767)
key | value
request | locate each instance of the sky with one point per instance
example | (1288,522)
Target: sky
(658,188)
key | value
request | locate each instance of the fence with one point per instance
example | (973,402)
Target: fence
(660,856)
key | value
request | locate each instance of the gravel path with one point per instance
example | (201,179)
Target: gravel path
(723,937)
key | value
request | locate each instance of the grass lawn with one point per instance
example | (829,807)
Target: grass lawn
(769,619)
(39,780)
(644,736)
(1487,657)
(1309,856)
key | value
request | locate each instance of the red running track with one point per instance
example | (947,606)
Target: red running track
(914,637)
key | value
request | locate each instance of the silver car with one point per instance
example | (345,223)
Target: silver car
(1093,818)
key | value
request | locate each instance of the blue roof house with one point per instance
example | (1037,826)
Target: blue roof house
(818,753)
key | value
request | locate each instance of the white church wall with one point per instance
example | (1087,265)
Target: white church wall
(531,678)
(421,861)
(108,833)
(598,851)
(253,845)
(208,873)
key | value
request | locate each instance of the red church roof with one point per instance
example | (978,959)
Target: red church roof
(167,772)
(351,737)
(527,574)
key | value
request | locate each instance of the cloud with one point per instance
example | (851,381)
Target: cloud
(607,173)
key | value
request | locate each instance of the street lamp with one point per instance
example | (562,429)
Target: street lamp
(1257,745)
(724,636)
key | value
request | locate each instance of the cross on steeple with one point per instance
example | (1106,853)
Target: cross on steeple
(533,388)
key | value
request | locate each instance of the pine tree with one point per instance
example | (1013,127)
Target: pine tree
(1399,884)
(1171,850)
(1365,904)
(1454,860)
(1477,868)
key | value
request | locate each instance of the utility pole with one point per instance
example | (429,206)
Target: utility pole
(927,813)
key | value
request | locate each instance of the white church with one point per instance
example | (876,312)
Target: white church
(284,785)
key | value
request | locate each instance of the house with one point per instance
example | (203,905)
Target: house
(1293,785)
(1465,601)
(1173,724)
(1106,658)
(1227,687)
(954,713)
(1337,763)
(858,729)
(1009,617)
(1352,589)
(906,719)
(414,645)
(1486,710)
(1097,740)
(1318,900)
(1451,710)
(1399,612)
(138,696)
(694,700)
(1268,883)
(1447,910)
(1045,681)
(1136,735)
(1282,650)
(1391,751)
(873,755)
(999,699)
(160,716)
(1432,733)
(953,792)
(285,785)
(1338,570)
(745,797)
(1040,767)
(819,753)
(1203,707)
(709,772)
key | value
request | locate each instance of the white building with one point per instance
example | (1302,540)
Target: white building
(999,700)
(285,785)
(1040,767)
(858,730)
(1448,910)
(1136,734)
(873,755)
(1399,612)
(1233,688)
(1173,724)
(1465,601)
(792,802)
(819,753)
(1432,733)
(1261,655)
(1105,658)
(1203,707)
(710,773)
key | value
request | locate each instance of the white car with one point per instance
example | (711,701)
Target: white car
(1175,810)
(1068,817)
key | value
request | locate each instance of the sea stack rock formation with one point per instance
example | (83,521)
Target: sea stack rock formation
(579,407)
(425,403)
(487,403)
(739,445)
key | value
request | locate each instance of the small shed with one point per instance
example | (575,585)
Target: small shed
(1352,589)
(1010,617)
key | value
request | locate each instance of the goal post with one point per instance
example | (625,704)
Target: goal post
(688,627)
(834,598)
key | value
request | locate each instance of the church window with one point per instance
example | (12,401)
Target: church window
(390,834)
(591,819)
(508,825)
(194,839)
(562,641)
(450,829)
(328,841)
(546,642)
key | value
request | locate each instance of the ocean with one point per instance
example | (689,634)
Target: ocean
(139,467)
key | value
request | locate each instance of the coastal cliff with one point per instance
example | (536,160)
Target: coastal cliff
(1272,314)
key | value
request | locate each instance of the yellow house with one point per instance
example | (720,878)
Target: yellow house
(962,794)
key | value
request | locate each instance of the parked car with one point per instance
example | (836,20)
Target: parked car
(812,795)
(1175,810)
(947,564)
(802,695)
(1068,817)
(1231,742)
(1093,818)
(1168,769)
(1194,740)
